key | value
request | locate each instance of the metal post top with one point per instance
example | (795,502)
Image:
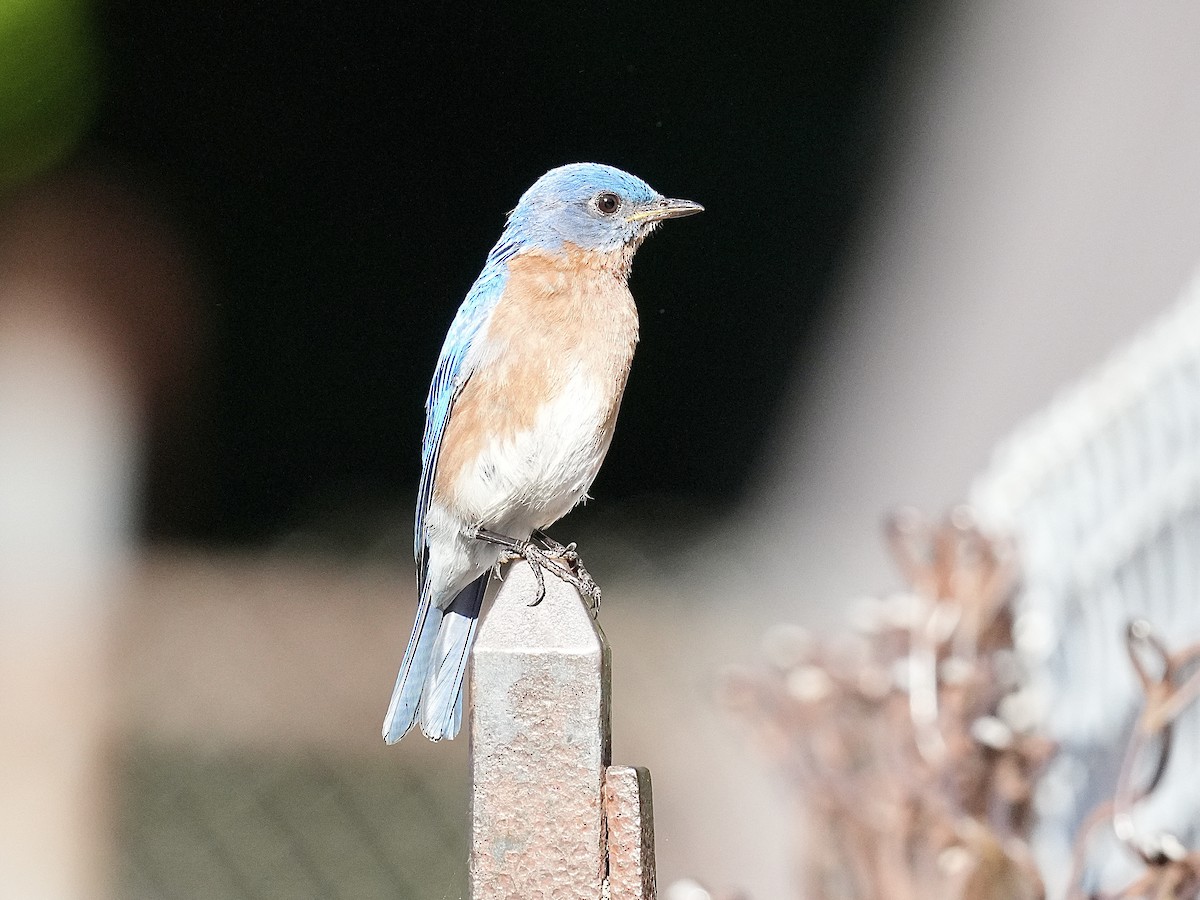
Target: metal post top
(561,624)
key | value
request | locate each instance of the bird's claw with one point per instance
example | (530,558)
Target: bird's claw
(578,576)
(542,557)
(582,580)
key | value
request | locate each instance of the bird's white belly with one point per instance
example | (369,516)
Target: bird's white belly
(519,482)
(534,477)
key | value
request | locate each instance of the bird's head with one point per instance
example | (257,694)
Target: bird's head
(591,206)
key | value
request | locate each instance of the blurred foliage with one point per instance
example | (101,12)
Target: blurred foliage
(49,84)
(911,741)
(917,742)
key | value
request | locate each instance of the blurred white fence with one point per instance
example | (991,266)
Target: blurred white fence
(1102,494)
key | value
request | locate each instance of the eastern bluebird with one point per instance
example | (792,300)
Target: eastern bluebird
(520,413)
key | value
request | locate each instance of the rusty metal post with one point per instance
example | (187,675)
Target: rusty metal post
(539,744)
(540,748)
(629,813)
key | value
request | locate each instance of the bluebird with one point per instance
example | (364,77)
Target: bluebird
(520,414)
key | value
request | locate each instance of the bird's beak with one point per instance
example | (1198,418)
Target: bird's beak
(665,209)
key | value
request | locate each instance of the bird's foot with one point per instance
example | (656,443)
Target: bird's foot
(570,555)
(543,555)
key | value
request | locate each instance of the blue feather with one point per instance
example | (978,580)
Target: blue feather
(431,675)
(406,695)
(451,375)
(441,698)
(556,209)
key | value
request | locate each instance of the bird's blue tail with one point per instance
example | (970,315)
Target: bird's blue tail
(431,675)
(406,695)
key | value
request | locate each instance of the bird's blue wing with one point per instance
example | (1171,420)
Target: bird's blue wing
(452,373)
(447,632)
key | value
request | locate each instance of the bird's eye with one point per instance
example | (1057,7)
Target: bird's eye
(607,202)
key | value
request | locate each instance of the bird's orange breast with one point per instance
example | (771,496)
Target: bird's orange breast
(564,319)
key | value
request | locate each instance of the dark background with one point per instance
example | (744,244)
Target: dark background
(343,168)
